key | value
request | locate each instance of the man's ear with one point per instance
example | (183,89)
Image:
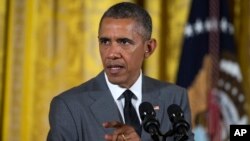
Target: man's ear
(150,47)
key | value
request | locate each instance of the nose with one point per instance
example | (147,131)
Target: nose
(114,52)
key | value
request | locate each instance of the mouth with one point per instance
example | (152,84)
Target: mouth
(114,69)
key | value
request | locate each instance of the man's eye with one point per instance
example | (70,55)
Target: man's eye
(124,41)
(104,41)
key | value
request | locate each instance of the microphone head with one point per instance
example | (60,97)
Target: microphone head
(149,122)
(175,113)
(176,116)
(146,109)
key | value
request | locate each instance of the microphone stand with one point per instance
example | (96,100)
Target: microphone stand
(155,133)
(167,134)
(171,133)
(155,137)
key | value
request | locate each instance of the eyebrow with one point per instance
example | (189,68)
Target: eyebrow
(118,39)
(125,39)
(103,38)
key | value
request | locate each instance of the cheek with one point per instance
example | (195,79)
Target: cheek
(102,52)
(136,59)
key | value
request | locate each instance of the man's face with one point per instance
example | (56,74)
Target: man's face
(122,50)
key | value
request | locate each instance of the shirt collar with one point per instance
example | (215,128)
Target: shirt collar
(117,91)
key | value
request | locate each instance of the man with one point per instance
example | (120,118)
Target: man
(95,110)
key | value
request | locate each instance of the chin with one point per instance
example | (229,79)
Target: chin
(115,81)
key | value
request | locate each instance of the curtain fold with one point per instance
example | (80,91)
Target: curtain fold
(241,19)
(169,18)
(51,46)
(3,15)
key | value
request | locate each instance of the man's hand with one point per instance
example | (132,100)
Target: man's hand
(122,132)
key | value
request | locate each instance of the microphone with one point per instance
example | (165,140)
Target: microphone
(149,122)
(180,126)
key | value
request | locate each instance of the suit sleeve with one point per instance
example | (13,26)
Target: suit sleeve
(62,124)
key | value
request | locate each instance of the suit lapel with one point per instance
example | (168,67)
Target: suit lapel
(104,107)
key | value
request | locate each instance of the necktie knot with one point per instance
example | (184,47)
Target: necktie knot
(128,95)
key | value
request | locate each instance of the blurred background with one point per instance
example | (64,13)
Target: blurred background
(49,46)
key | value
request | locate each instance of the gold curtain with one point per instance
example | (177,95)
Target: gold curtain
(168,26)
(241,19)
(48,46)
(2,38)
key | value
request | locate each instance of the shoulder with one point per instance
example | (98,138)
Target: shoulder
(83,93)
(164,90)
(162,85)
(80,89)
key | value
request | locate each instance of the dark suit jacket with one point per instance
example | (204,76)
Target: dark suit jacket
(78,114)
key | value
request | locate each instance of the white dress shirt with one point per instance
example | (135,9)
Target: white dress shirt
(117,92)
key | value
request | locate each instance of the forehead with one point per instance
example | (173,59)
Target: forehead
(119,25)
(112,22)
